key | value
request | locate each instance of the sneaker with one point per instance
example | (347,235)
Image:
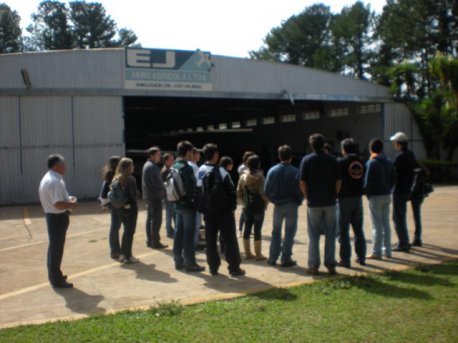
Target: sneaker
(417,243)
(312,271)
(214,272)
(271,262)
(360,261)
(63,284)
(122,258)
(194,268)
(132,259)
(158,246)
(237,272)
(344,264)
(115,255)
(332,270)
(288,263)
(402,248)
(179,266)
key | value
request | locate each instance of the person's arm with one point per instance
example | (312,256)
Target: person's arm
(64,205)
(303,187)
(338,186)
(261,191)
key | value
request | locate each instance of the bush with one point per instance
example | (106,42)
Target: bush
(442,171)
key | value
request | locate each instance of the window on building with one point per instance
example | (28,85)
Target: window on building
(370,108)
(251,122)
(339,112)
(288,118)
(222,126)
(236,125)
(268,120)
(311,115)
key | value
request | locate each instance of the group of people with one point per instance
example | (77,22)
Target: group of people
(333,189)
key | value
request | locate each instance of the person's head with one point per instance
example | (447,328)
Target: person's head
(253,163)
(196,155)
(327,148)
(168,159)
(56,163)
(227,163)
(348,146)
(110,167)
(124,169)
(211,152)
(247,155)
(399,140)
(376,146)
(184,150)
(154,154)
(285,153)
(316,142)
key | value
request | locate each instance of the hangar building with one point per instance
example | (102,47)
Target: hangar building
(90,104)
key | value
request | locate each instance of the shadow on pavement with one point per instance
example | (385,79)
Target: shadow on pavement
(80,302)
(147,272)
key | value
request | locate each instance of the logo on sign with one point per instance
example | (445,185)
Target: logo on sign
(356,170)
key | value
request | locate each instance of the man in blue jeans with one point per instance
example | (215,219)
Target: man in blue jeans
(282,189)
(351,204)
(185,212)
(404,165)
(320,183)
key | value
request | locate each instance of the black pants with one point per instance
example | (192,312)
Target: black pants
(153,221)
(129,222)
(57,231)
(223,222)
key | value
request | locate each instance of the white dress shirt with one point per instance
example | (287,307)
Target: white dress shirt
(52,190)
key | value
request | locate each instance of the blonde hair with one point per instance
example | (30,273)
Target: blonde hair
(122,171)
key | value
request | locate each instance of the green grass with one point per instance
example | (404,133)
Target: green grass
(417,305)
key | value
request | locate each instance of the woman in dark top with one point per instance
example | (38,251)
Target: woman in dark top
(108,173)
(129,212)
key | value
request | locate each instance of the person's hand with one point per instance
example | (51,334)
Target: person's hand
(73,201)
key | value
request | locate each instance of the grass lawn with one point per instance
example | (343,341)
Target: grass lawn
(417,305)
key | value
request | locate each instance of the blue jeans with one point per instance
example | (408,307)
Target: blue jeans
(400,220)
(379,207)
(183,241)
(113,238)
(416,209)
(321,220)
(169,216)
(198,225)
(288,213)
(153,221)
(129,221)
(351,212)
(253,220)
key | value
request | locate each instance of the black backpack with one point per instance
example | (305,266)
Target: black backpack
(253,201)
(215,196)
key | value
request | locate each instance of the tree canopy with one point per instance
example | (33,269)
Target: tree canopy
(10,30)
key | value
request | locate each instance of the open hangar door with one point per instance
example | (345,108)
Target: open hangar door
(237,125)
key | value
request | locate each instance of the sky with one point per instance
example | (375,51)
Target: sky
(222,27)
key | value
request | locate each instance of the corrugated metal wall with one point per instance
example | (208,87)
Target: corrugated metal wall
(85,130)
(398,118)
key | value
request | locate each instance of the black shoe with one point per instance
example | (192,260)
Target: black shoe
(200,246)
(271,262)
(158,246)
(179,266)
(194,268)
(402,248)
(237,272)
(288,263)
(332,270)
(63,284)
(214,272)
(361,262)
(344,264)
(417,243)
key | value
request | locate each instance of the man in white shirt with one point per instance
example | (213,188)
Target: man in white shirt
(56,204)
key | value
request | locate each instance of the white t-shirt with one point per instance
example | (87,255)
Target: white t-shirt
(52,190)
(195,168)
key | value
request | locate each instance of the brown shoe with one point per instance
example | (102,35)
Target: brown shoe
(312,271)
(374,257)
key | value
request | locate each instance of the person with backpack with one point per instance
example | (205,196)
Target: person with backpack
(123,196)
(185,206)
(218,205)
(154,193)
(282,189)
(420,189)
(250,190)
(108,173)
(169,159)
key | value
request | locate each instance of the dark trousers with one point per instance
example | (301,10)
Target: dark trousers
(253,220)
(113,238)
(223,222)
(351,213)
(129,222)
(153,221)
(416,209)
(400,220)
(57,230)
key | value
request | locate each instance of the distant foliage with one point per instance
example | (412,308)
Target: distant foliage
(10,30)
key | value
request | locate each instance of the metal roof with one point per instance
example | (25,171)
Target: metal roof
(101,72)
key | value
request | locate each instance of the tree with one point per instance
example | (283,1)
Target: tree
(92,27)
(351,32)
(10,31)
(303,39)
(50,29)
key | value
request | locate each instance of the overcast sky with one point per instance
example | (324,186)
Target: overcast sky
(223,27)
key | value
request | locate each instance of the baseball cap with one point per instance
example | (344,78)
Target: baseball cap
(399,137)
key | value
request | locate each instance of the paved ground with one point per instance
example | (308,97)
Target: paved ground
(104,286)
